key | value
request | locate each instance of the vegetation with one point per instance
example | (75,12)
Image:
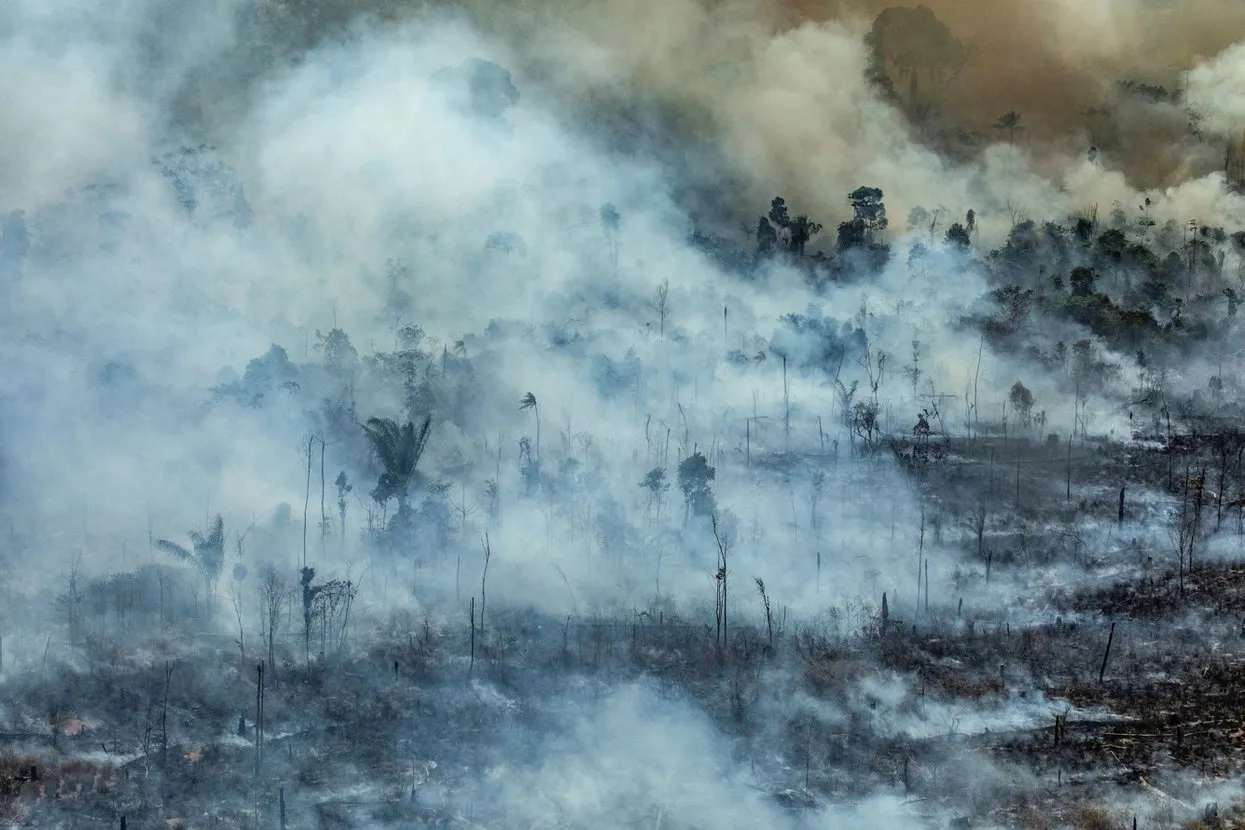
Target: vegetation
(987,476)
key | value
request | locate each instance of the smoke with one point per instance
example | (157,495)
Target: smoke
(774,99)
(637,756)
(203,205)
(1216,87)
(348,190)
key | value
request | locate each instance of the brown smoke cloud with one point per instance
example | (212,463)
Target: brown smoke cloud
(774,93)
(1057,62)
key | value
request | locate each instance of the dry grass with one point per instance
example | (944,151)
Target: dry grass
(1098,817)
(26,780)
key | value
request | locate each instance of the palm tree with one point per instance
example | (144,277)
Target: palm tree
(1009,121)
(398,449)
(529,402)
(207,553)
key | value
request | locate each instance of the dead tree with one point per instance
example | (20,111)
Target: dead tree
(1188,522)
(471,666)
(488,555)
(310,592)
(976,525)
(661,305)
(273,594)
(259,716)
(164,715)
(1106,655)
(769,614)
(724,543)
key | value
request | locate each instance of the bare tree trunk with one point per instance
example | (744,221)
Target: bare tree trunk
(1069,492)
(488,555)
(324,514)
(164,716)
(259,716)
(1184,525)
(1017,484)
(927,588)
(723,543)
(769,616)
(307,499)
(920,562)
(786,403)
(1102,670)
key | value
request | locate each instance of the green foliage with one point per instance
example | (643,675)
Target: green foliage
(794,233)
(868,207)
(409,337)
(263,379)
(830,341)
(864,420)
(1082,281)
(1015,305)
(206,186)
(767,237)
(655,481)
(1152,93)
(1022,251)
(853,233)
(614,378)
(858,240)
(1022,401)
(207,553)
(398,449)
(340,356)
(957,237)
(695,478)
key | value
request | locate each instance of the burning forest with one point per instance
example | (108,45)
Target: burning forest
(671,414)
